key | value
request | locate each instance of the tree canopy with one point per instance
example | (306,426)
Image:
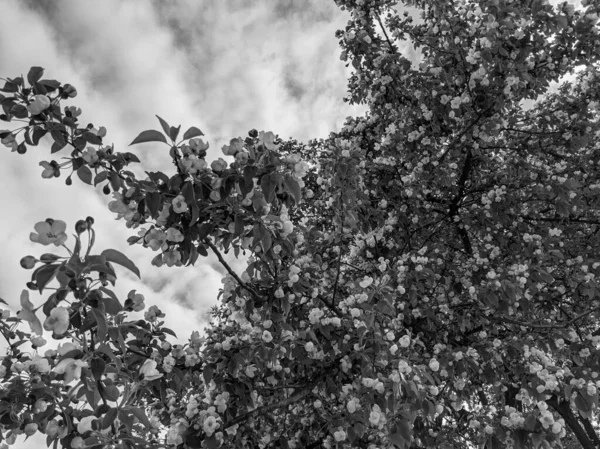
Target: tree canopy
(424,278)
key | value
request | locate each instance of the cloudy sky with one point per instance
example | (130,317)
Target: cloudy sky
(225,67)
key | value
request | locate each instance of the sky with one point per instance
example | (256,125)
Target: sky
(225,67)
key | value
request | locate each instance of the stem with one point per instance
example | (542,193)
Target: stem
(230,270)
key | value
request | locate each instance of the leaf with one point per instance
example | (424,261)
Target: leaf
(149,136)
(85,174)
(140,414)
(112,255)
(153,203)
(174,132)
(98,366)
(207,372)
(268,187)
(45,275)
(109,418)
(397,439)
(192,132)
(294,188)
(102,330)
(34,75)
(164,125)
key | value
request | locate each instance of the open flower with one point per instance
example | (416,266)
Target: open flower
(40,103)
(172,258)
(174,235)
(210,425)
(148,370)
(179,205)
(10,141)
(267,139)
(49,231)
(50,170)
(71,368)
(57,321)
(85,424)
(27,313)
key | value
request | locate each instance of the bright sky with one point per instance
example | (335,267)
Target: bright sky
(225,67)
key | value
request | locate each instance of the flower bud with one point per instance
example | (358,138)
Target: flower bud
(28,262)
(30,429)
(81,226)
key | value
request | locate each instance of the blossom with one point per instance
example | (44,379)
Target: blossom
(375,416)
(57,321)
(198,145)
(41,364)
(234,146)
(148,370)
(135,301)
(210,425)
(179,204)
(339,435)
(301,169)
(71,368)
(49,231)
(66,347)
(404,341)
(38,104)
(434,365)
(267,138)
(153,313)
(267,337)
(9,141)
(85,424)
(90,156)
(172,258)
(366,282)
(27,313)
(174,235)
(50,170)
(219,165)
(156,239)
(250,370)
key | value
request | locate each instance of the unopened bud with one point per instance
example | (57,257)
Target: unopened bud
(28,262)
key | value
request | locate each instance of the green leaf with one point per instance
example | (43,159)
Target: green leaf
(140,414)
(101,321)
(34,75)
(98,366)
(112,255)
(149,136)
(45,275)
(397,440)
(174,132)
(164,125)
(109,418)
(191,133)
(85,174)
(294,188)
(268,187)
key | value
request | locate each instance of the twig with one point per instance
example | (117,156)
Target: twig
(551,326)
(230,270)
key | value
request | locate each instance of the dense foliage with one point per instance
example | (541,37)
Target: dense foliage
(427,277)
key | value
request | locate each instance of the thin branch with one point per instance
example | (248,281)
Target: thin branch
(230,270)
(269,407)
(551,326)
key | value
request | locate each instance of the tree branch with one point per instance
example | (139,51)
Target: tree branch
(230,270)
(551,326)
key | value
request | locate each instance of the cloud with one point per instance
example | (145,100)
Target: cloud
(226,67)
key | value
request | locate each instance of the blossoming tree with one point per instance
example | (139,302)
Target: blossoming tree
(427,277)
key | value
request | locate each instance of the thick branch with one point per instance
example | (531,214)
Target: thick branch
(564,410)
